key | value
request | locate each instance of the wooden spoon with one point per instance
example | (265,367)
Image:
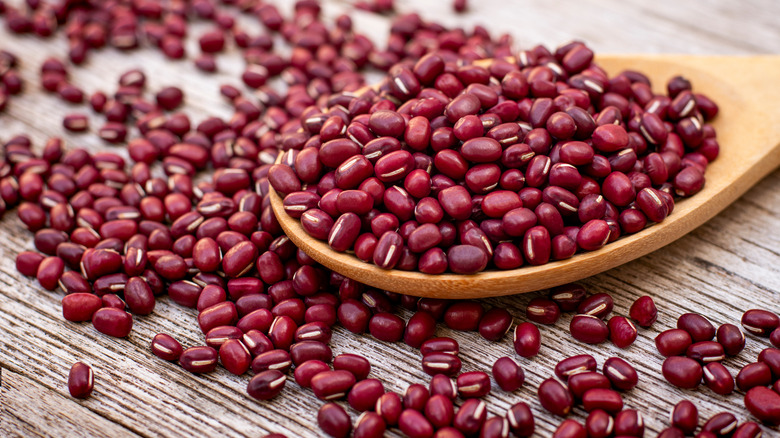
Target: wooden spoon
(747,90)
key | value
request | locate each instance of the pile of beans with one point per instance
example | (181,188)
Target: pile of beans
(113,236)
(461,168)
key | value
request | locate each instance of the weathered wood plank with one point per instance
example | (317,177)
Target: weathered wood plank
(724,267)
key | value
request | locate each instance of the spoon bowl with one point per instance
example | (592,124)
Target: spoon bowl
(747,90)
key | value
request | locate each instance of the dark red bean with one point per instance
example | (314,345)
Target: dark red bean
(721,424)
(629,423)
(354,315)
(764,404)
(507,374)
(307,370)
(234,356)
(643,311)
(386,327)
(470,417)
(527,339)
(771,356)
(464,315)
(580,383)
(604,399)
(81,380)
(198,360)
(440,345)
(599,424)
(139,296)
(415,397)
(439,411)
(332,385)
(543,311)
(441,363)
(760,322)
(364,394)
(266,385)
(588,329)
(622,375)
(419,329)
(697,326)
(80,306)
(747,430)
(554,397)
(718,378)
(389,407)
(443,385)
(521,420)
(166,347)
(599,305)
(414,424)
(369,425)
(112,322)
(357,365)
(754,374)
(473,384)
(334,421)
(682,372)
(622,331)
(575,364)
(685,417)
(674,342)
(731,338)
(706,351)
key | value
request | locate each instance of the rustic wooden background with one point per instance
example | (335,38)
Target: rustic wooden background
(722,269)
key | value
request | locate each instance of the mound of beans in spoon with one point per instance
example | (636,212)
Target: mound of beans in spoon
(445,167)
(480,155)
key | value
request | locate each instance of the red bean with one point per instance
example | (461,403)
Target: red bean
(629,423)
(364,394)
(166,347)
(588,329)
(81,380)
(473,384)
(643,311)
(507,374)
(754,374)
(580,383)
(334,421)
(112,322)
(622,375)
(731,338)
(470,417)
(760,322)
(542,311)
(369,425)
(574,365)
(198,360)
(554,397)
(266,385)
(622,331)
(441,363)
(415,397)
(697,326)
(389,408)
(357,365)
(718,378)
(674,342)
(685,417)
(764,404)
(604,399)
(463,315)
(80,306)
(682,372)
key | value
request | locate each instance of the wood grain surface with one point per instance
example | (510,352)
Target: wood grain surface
(721,269)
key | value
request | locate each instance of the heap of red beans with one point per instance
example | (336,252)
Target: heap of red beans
(447,165)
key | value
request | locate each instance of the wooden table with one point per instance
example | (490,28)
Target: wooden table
(722,269)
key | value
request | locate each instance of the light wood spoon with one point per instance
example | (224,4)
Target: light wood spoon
(747,90)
